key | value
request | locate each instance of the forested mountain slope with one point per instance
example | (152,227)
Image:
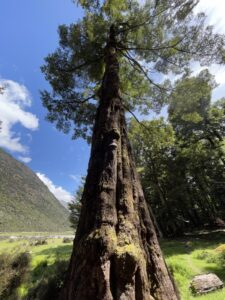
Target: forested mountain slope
(26,204)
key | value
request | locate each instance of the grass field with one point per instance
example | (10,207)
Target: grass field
(185,257)
(197,255)
(30,234)
(44,261)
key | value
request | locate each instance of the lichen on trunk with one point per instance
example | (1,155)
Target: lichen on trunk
(116,254)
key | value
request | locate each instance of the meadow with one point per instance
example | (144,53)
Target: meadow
(48,261)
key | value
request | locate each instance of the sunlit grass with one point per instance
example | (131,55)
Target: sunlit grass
(38,233)
(43,258)
(185,257)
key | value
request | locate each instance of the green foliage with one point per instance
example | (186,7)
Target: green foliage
(75,206)
(189,105)
(152,40)
(181,162)
(25,202)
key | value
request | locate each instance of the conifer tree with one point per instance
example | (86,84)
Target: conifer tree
(104,66)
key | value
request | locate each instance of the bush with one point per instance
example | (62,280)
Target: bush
(39,242)
(221,258)
(49,286)
(220,249)
(67,240)
(208,256)
(12,272)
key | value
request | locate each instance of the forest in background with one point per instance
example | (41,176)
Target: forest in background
(180,158)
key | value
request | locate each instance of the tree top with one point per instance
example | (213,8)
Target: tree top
(154,39)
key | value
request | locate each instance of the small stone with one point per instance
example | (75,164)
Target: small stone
(205,283)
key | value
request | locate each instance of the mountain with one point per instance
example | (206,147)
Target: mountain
(26,204)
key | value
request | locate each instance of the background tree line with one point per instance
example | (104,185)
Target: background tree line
(181,159)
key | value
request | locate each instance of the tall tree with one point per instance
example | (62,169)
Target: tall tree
(153,143)
(102,67)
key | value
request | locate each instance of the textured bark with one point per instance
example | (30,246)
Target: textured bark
(116,254)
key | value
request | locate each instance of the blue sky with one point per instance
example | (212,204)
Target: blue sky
(28,32)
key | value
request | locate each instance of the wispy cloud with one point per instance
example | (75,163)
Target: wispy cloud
(60,193)
(215,16)
(25,159)
(14,99)
(76,178)
(214,9)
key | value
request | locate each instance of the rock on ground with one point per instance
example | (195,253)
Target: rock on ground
(205,283)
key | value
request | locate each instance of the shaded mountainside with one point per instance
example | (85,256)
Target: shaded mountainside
(26,204)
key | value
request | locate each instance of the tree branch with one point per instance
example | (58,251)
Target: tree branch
(193,53)
(75,101)
(140,68)
(155,49)
(140,123)
(69,70)
(146,22)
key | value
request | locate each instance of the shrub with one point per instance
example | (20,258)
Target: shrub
(220,249)
(208,256)
(221,258)
(67,240)
(39,242)
(12,272)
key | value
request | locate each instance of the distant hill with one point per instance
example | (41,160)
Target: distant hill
(26,204)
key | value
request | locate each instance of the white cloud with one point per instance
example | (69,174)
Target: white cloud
(13,101)
(57,191)
(25,159)
(214,9)
(76,178)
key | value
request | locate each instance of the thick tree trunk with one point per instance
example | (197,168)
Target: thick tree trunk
(116,254)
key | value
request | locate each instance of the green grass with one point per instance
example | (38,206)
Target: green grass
(54,249)
(183,261)
(198,258)
(43,258)
(29,234)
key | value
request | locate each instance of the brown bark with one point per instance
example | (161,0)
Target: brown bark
(116,254)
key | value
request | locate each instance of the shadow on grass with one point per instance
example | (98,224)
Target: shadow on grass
(187,244)
(47,280)
(43,269)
